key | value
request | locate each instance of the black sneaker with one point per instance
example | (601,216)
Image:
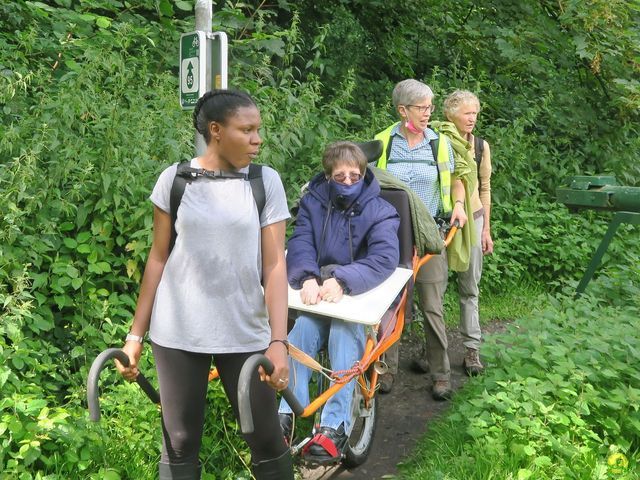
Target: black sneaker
(327,446)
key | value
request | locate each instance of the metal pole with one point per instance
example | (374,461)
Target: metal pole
(204,15)
(632,218)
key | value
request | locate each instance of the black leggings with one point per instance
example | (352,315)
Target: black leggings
(183,379)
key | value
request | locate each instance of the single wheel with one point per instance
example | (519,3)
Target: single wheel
(363,427)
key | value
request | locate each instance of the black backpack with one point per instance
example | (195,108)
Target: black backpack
(185,174)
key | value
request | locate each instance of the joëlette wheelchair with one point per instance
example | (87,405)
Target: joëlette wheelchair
(381,335)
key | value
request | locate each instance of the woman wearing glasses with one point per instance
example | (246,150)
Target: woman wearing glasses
(345,242)
(423,160)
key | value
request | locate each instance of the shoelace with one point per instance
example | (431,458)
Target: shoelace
(473,357)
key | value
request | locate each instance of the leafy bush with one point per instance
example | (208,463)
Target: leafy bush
(83,144)
(560,398)
(89,117)
(538,241)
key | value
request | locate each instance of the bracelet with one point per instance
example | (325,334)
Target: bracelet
(284,342)
(134,338)
(459,201)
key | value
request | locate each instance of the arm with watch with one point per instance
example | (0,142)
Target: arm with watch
(458,197)
(274,276)
(151,279)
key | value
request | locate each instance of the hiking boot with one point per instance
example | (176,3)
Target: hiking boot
(420,365)
(441,390)
(327,446)
(471,363)
(286,424)
(386,382)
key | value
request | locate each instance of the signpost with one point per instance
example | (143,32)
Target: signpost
(203,62)
(203,65)
(219,47)
(193,68)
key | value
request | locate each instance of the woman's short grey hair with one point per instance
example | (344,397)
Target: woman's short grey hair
(458,98)
(409,92)
(343,153)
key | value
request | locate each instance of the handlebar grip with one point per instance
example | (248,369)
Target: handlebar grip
(244,391)
(94,374)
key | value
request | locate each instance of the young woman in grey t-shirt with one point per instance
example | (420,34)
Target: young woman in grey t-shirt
(203,298)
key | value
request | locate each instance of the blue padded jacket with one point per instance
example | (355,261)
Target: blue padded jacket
(362,240)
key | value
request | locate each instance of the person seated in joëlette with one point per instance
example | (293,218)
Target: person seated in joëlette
(345,242)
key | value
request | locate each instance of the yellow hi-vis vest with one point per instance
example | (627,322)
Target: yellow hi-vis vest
(442,162)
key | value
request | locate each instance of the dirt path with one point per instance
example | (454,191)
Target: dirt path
(403,415)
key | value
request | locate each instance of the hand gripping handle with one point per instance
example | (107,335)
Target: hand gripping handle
(94,374)
(244,394)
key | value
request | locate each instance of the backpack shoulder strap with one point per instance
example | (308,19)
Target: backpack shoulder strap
(435,143)
(478,147)
(257,186)
(184,176)
(177,190)
(389,144)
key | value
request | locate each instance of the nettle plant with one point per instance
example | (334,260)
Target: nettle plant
(560,398)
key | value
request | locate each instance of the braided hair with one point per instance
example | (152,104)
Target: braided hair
(218,106)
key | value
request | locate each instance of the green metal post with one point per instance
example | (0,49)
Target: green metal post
(618,218)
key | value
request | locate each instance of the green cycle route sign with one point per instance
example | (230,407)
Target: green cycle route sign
(193,66)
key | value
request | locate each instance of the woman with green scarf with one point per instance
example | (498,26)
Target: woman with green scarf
(462,108)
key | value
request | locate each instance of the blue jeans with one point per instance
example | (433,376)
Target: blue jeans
(346,346)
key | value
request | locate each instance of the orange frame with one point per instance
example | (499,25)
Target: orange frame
(373,350)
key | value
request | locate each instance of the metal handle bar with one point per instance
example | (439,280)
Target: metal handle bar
(94,374)
(244,387)
(421,261)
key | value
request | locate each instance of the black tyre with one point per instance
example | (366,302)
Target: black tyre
(363,423)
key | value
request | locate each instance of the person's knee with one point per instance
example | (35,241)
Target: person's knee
(307,334)
(183,446)
(345,334)
(304,327)
(341,328)
(467,290)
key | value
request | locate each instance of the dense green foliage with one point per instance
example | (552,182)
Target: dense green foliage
(560,399)
(89,116)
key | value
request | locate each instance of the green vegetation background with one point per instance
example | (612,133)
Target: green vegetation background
(89,116)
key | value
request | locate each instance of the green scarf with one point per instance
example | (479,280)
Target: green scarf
(459,251)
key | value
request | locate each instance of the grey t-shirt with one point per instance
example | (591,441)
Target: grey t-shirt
(210,297)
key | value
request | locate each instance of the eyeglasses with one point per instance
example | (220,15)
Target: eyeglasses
(341,177)
(423,108)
